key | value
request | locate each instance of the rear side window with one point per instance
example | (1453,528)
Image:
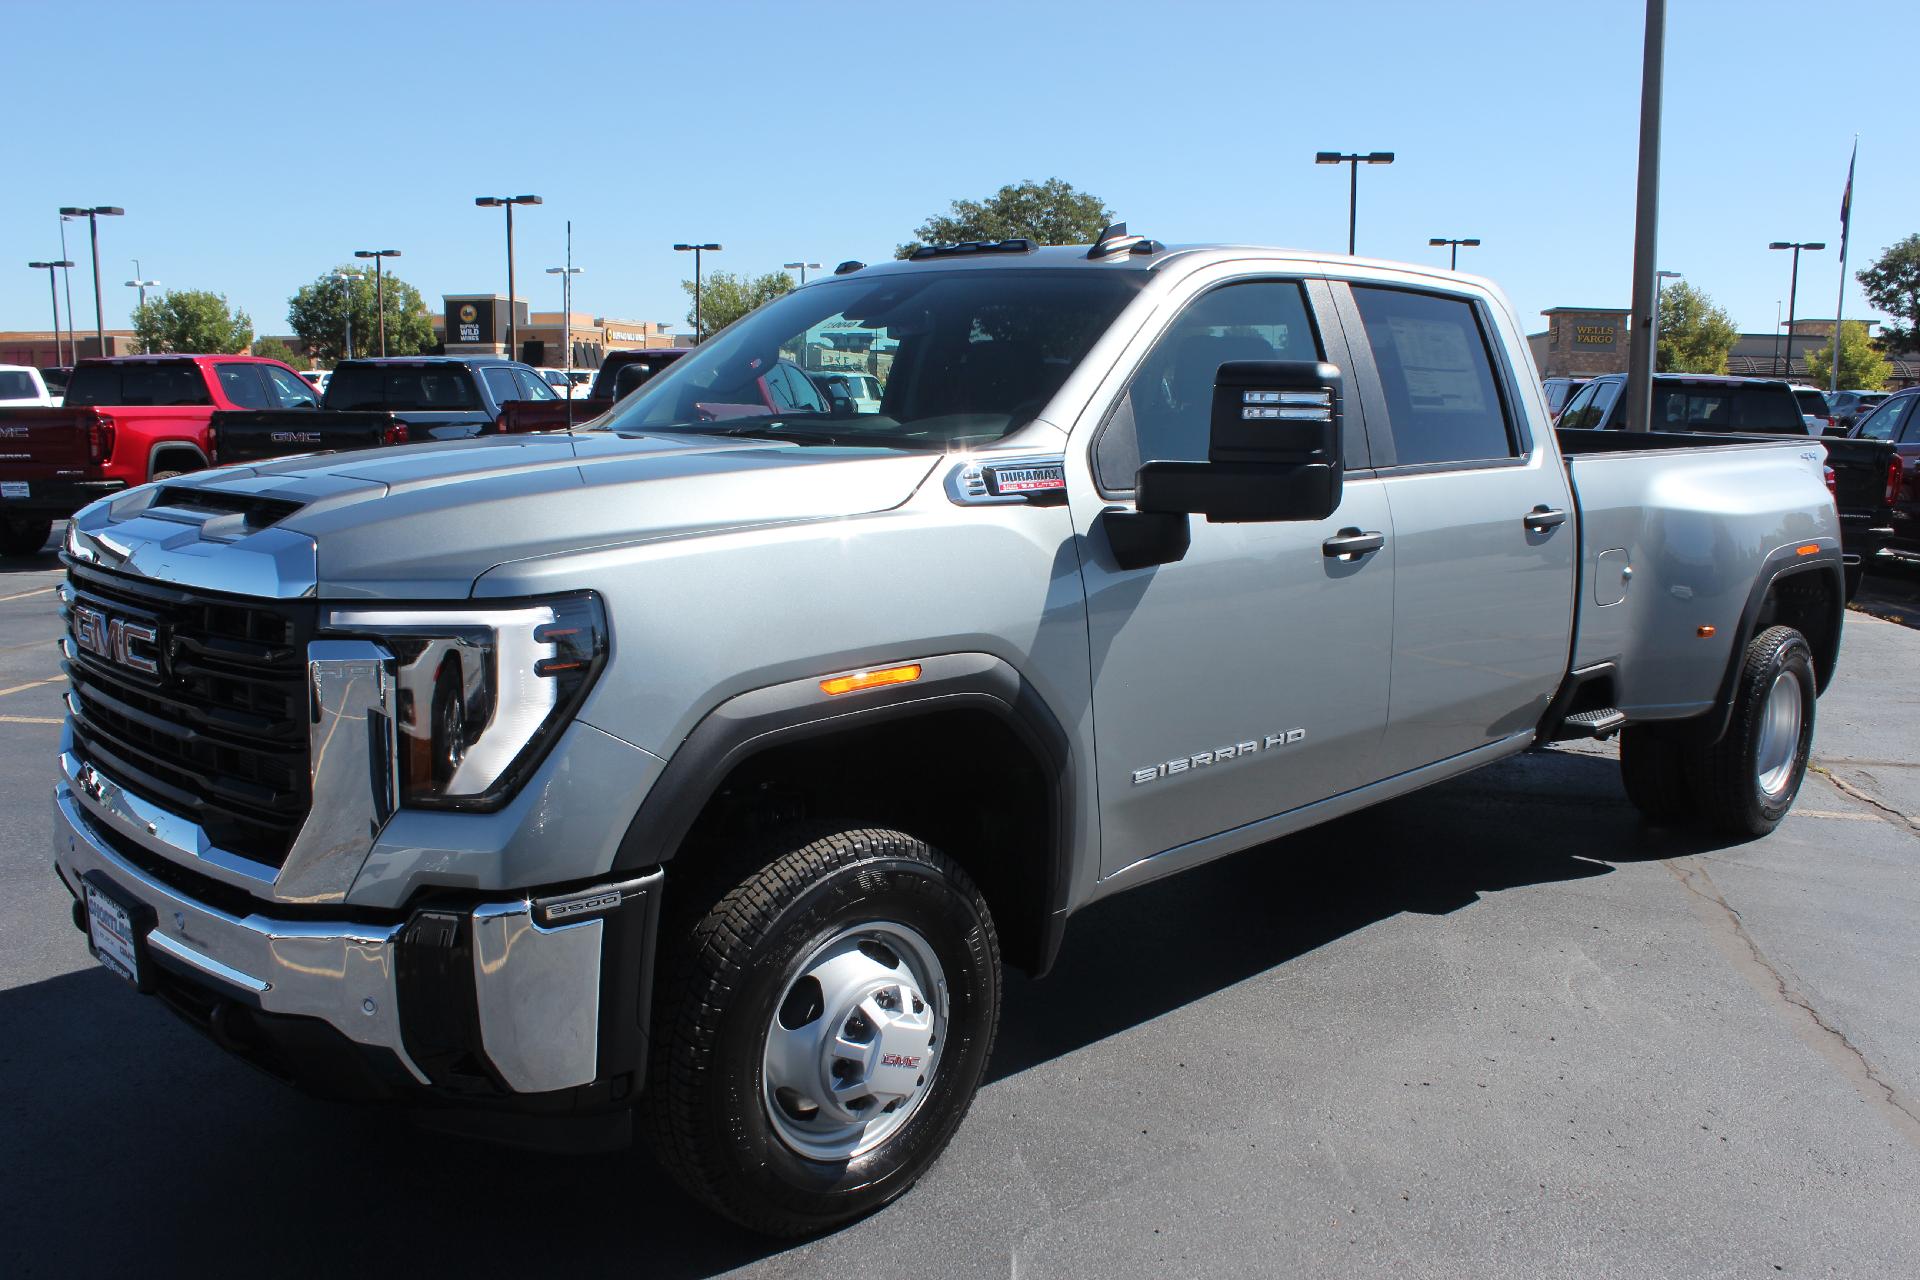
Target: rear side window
(241,384)
(288,391)
(147,385)
(1443,401)
(16,385)
(500,384)
(533,386)
(1812,403)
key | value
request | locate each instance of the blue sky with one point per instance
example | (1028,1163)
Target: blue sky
(255,146)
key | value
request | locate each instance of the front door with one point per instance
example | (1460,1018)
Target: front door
(1249,677)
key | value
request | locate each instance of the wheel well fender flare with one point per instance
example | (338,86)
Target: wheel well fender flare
(759,720)
(1783,565)
(164,447)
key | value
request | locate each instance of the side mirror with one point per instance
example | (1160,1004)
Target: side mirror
(1273,452)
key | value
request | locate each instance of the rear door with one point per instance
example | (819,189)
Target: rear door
(1484,539)
(1249,677)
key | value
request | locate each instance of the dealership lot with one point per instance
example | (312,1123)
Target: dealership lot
(1495,1028)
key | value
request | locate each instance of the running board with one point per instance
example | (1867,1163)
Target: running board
(1602,722)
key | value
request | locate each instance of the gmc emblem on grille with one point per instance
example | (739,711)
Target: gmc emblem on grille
(133,645)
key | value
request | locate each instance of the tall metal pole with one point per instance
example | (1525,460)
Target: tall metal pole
(513,327)
(698,331)
(566,311)
(380,302)
(66,276)
(1793,288)
(1353,201)
(1839,303)
(99,321)
(1776,337)
(1646,230)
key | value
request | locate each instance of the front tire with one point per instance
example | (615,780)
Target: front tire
(1748,780)
(822,1029)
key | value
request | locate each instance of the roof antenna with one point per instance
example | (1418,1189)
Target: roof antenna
(1116,240)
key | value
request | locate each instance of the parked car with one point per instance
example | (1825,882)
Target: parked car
(387,401)
(1894,422)
(22,387)
(620,374)
(126,420)
(1559,391)
(1851,406)
(861,390)
(1704,403)
(709,763)
(1814,410)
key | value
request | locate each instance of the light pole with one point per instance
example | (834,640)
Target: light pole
(494,202)
(346,305)
(802,267)
(1353,161)
(1453,257)
(1793,288)
(142,284)
(566,275)
(93,217)
(379,293)
(696,250)
(66,282)
(53,292)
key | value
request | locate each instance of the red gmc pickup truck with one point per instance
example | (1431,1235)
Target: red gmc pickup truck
(126,421)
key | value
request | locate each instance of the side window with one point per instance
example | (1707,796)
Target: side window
(1164,413)
(1906,424)
(241,384)
(1575,414)
(1604,396)
(533,386)
(500,384)
(288,391)
(1443,402)
(1883,423)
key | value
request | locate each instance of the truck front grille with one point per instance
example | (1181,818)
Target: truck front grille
(218,733)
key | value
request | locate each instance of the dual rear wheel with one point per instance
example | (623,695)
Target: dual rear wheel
(1743,784)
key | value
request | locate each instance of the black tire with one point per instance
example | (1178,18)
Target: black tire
(159,476)
(24,537)
(1726,776)
(1653,767)
(728,969)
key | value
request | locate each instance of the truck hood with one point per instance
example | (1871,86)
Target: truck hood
(425,521)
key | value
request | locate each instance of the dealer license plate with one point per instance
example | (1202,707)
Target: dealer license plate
(111,930)
(15,489)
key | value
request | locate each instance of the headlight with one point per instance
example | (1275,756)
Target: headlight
(482,691)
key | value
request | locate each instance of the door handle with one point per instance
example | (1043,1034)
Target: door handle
(1543,518)
(1351,544)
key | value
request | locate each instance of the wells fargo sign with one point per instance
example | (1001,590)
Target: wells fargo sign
(1595,335)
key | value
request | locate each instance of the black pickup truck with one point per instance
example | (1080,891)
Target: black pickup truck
(1864,475)
(369,403)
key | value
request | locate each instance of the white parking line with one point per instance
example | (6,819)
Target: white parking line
(31,684)
(31,720)
(1835,813)
(37,591)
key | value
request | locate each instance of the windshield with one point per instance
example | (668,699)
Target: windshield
(1812,403)
(172,383)
(950,357)
(422,387)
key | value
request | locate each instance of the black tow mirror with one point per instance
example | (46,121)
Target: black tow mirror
(1273,451)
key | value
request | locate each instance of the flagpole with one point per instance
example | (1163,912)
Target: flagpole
(1846,225)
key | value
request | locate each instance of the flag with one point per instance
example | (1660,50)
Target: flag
(1846,199)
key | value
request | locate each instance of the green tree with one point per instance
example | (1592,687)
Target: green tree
(1893,286)
(319,312)
(191,320)
(1862,367)
(274,349)
(1049,212)
(725,297)
(1695,335)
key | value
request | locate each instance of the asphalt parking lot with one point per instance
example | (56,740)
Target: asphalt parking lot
(1498,1028)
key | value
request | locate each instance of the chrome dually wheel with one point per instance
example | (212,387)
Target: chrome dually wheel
(1776,755)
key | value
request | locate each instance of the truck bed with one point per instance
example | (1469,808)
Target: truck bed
(1687,518)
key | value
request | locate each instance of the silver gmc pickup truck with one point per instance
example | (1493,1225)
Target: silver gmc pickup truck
(706,764)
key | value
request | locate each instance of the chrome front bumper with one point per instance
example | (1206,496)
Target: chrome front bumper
(536,983)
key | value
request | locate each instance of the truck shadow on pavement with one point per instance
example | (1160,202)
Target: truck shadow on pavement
(130,1138)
